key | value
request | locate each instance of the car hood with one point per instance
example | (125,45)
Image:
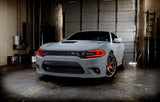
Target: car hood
(74,45)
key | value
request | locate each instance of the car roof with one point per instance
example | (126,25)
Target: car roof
(93,31)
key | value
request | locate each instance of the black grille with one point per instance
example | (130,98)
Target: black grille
(65,53)
(60,53)
(59,69)
(63,67)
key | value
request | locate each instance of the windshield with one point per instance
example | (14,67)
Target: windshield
(98,36)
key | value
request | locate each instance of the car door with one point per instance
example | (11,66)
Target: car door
(117,49)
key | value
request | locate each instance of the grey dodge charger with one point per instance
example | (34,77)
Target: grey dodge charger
(86,54)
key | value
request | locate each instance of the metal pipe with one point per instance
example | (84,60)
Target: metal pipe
(81,15)
(20,20)
(135,46)
(98,14)
(148,37)
(33,27)
(116,18)
(17,17)
(155,42)
(27,18)
(40,36)
(63,8)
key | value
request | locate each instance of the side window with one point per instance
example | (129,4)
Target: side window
(108,37)
(113,36)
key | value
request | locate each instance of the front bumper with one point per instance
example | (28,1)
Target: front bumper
(90,67)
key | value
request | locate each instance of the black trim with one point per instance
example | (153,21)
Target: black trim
(63,67)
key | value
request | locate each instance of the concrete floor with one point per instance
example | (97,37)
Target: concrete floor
(20,83)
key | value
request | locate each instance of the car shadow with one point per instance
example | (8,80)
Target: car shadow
(67,81)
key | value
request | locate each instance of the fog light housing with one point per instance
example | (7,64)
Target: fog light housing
(96,70)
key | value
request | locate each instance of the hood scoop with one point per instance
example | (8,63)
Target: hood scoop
(69,41)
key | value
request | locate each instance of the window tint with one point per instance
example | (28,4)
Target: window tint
(113,36)
(97,36)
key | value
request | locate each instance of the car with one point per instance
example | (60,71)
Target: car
(85,54)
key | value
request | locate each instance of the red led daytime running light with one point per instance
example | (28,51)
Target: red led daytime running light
(98,53)
(40,52)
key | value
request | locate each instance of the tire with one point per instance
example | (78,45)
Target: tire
(111,66)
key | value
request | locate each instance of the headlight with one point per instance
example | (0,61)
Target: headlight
(94,53)
(40,52)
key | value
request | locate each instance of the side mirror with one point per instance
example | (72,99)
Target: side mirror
(117,40)
(64,39)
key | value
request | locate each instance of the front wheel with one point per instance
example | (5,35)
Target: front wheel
(111,66)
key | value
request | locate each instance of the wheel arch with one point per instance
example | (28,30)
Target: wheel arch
(111,52)
(107,63)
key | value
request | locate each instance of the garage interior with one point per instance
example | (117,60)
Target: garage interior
(27,24)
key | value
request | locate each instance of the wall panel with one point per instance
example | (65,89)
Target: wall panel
(72,17)
(89,14)
(117,16)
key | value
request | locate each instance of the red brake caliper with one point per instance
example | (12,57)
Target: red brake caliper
(110,64)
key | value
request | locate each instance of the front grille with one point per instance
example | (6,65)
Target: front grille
(65,53)
(60,53)
(63,67)
(60,69)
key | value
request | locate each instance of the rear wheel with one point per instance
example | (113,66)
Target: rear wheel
(111,66)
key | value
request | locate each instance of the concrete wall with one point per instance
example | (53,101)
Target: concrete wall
(107,15)
(3,29)
(152,4)
(89,14)
(8,27)
(21,14)
(72,17)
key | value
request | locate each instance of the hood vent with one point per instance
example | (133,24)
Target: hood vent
(69,41)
